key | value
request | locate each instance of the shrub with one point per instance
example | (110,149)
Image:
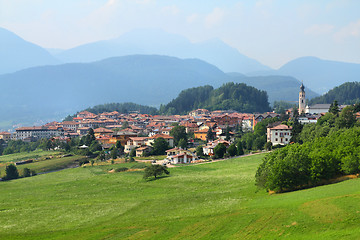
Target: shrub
(232,151)
(83,161)
(26,172)
(219,150)
(11,172)
(122,169)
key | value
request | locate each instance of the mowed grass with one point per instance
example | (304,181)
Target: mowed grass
(206,201)
(42,161)
(27,155)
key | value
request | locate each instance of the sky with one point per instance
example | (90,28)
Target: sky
(270,31)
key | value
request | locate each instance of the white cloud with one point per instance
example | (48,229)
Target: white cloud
(172,10)
(349,31)
(215,17)
(319,29)
(143,1)
(192,18)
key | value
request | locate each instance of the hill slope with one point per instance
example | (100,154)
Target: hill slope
(54,90)
(214,51)
(51,92)
(279,88)
(91,203)
(347,93)
(230,96)
(20,54)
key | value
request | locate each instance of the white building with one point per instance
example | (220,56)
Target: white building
(135,142)
(38,132)
(317,108)
(279,134)
(309,119)
(179,155)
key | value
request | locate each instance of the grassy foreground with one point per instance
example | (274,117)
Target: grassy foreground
(44,161)
(205,201)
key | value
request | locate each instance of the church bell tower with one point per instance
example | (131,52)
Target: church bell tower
(302,99)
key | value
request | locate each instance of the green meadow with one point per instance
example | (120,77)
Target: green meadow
(15,157)
(215,200)
(43,161)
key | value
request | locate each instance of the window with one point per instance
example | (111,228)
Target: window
(275,133)
(276,139)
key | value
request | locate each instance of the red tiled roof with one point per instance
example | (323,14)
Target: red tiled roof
(102,130)
(138,138)
(282,127)
(69,123)
(161,135)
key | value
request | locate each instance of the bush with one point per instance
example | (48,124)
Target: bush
(232,151)
(122,169)
(219,150)
(83,161)
(268,146)
(26,172)
(11,172)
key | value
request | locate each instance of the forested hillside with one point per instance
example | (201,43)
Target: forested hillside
(122,108)
(321,153)
(347,93)
(230,96)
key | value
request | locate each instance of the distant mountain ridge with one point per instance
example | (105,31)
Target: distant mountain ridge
(52,92)
(318,74)
(18,54)
(158,42)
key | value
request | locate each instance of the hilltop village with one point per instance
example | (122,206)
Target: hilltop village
(138,132)
(135,130)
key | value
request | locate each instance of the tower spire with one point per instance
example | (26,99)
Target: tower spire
(302,98)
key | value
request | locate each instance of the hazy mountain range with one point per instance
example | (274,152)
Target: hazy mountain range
(17,54)
(54,89)
(213,51)
(49,91)
(319,75)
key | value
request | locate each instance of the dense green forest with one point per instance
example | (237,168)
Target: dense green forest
(122,108)
(329,149)
(230,96)
(347,93)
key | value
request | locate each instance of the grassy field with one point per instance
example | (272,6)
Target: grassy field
(43,161)
(206,201)
(25,155)
(158,157)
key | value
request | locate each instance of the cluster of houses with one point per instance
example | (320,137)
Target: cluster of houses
(138,131)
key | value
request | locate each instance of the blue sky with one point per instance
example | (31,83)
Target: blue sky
(271,31)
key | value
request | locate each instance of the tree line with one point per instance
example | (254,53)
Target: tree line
(325,150)
(230,96)
(347,93)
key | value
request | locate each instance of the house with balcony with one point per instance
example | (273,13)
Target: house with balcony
(279,134)
(178,155)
